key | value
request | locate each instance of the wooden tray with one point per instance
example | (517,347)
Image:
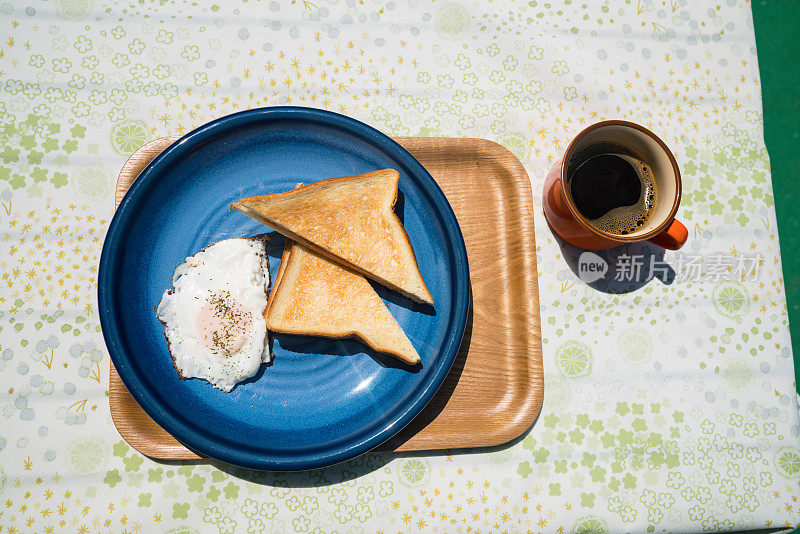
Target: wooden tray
(494,390)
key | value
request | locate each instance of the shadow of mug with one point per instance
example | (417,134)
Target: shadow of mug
(618,270)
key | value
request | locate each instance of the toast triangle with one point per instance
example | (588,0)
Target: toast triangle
(351,220)
(314,296)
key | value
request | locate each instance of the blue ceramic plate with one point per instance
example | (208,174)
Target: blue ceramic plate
(321,401)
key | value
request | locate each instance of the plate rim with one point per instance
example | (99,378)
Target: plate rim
(243,455)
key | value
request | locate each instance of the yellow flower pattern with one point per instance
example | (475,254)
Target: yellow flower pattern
(50,257)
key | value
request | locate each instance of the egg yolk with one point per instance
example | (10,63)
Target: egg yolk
(224,324)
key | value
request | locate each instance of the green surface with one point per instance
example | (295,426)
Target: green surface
(778,42)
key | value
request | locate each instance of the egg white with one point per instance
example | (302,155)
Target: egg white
(239,269)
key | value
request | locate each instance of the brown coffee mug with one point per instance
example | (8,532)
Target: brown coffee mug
(661,228)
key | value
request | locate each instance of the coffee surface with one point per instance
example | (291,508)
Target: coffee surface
(611,187)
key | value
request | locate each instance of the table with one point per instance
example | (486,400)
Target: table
(669,405)
(775,40)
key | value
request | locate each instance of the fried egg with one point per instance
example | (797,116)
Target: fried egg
(213,315)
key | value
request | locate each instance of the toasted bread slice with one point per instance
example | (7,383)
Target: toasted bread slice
(351,220)
(314,296)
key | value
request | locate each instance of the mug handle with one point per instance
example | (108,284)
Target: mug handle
(673,237)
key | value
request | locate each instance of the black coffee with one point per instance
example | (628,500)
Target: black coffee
(612,187)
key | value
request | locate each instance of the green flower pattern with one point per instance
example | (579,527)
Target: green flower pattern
(670,407)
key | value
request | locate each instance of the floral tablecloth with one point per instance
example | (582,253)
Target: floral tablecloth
(669,405)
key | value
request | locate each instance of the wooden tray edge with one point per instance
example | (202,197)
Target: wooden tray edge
(536,355)
(144,442)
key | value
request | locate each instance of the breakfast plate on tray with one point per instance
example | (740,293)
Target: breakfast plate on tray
(319,400)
